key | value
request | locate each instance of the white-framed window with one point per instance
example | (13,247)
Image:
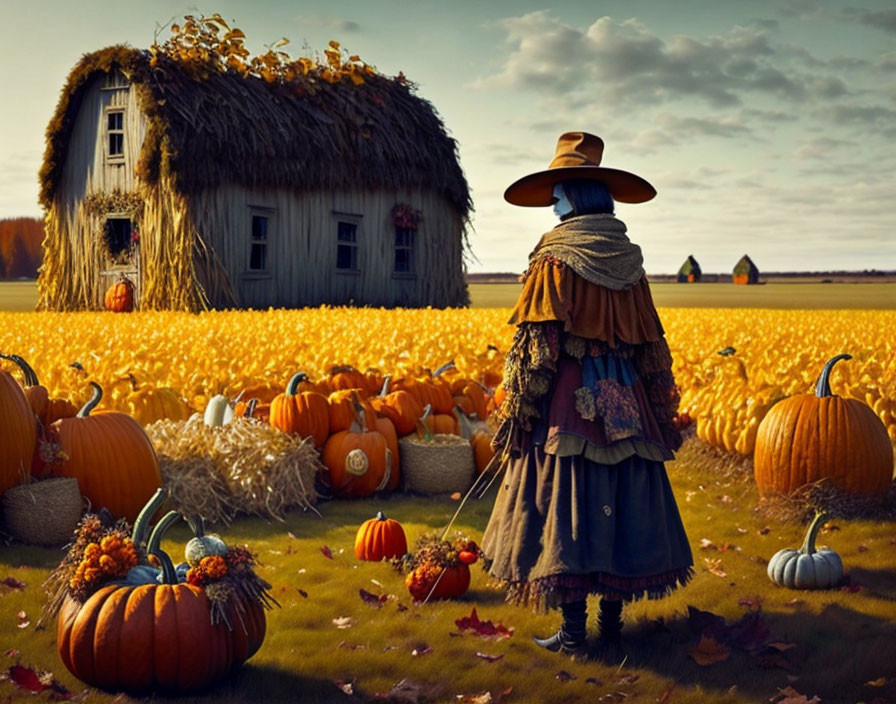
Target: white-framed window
(348,242)
(114,118)
(261,221)
(404,250)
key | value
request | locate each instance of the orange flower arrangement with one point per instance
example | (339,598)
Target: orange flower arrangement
(209,569)
(111,558)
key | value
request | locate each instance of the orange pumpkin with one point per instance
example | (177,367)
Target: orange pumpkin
(342,409)
(18,433)
(154,637)
(469,395)
(347,377)
(380,538)
(120,296)
(304,413)
(430,581)
(387,429)
(398,406)
(810,437)
(111,456)
(358,460)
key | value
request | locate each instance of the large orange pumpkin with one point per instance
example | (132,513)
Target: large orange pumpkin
(358,461)
(386,428)
(147,403)
(303,413)
(120,296)
(810,437)
(154,637)
(18,433)
(111,456)
(380,538)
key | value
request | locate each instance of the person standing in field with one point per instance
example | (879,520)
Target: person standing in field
(585,506)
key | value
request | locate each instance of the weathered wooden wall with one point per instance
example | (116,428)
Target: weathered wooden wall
(302,245)
(73,253)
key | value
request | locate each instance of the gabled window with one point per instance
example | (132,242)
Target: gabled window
(115,133)
(258,247)
(346,246)
(115,80)
(404,250)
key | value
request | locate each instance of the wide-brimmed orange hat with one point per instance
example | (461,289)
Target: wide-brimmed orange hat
(578,156)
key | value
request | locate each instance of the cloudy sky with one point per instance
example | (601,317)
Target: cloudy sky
(767,127)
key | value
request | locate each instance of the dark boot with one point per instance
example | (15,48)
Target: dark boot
(609,643)
(570,639)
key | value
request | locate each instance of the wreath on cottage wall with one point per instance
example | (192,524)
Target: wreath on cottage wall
(101,204)
(403,215)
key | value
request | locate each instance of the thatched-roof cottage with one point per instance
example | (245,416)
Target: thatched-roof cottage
(690,271)
(227,191)
(745,271)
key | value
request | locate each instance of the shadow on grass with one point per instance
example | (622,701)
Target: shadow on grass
(878,583)
(264,683)
(833,655)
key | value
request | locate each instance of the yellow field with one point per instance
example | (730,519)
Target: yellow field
(777,353)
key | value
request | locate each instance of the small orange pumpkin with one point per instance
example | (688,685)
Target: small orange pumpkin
(304,413)
(380,538)
(120,296)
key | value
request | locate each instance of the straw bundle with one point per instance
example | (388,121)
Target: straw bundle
(443,465)
(44,512)
(245,467)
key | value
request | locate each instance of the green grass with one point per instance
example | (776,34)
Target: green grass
(841,639)
(22,295)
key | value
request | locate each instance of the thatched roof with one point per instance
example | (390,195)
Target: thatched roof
(205,132)
(745,266)
(690,266)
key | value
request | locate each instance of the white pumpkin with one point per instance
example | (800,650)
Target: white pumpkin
(806,568)
(202,545)
(219,411)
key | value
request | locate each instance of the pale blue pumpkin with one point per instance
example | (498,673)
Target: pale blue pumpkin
(806,568)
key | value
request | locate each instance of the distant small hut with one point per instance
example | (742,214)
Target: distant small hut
(218,189)
(690,271)
(745,271)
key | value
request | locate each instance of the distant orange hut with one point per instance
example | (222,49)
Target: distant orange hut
(690,271)
(745,271)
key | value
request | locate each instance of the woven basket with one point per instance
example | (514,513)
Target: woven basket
(442,466)
(43,513)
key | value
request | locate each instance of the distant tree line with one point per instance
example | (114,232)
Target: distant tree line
(20,247)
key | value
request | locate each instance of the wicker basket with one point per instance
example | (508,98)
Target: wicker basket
(442,466)
(44,512)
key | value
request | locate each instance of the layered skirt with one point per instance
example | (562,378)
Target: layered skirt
(586,506)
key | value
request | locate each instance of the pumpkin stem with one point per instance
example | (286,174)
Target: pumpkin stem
(197,525)
(421,423)
(141,525)
(250,409)
(169,574)
(387,380)
(93,402)
(155,538)
(444,368)
(293,386)
(27,371)
(133,380)
(808,547)
(380,516)
(823,386)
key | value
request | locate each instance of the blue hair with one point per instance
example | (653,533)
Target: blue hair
(588,197)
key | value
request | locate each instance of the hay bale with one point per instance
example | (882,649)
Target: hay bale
(246,467)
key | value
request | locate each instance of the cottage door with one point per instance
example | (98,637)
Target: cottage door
(122,252)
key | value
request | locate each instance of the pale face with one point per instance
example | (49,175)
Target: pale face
(562,206)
